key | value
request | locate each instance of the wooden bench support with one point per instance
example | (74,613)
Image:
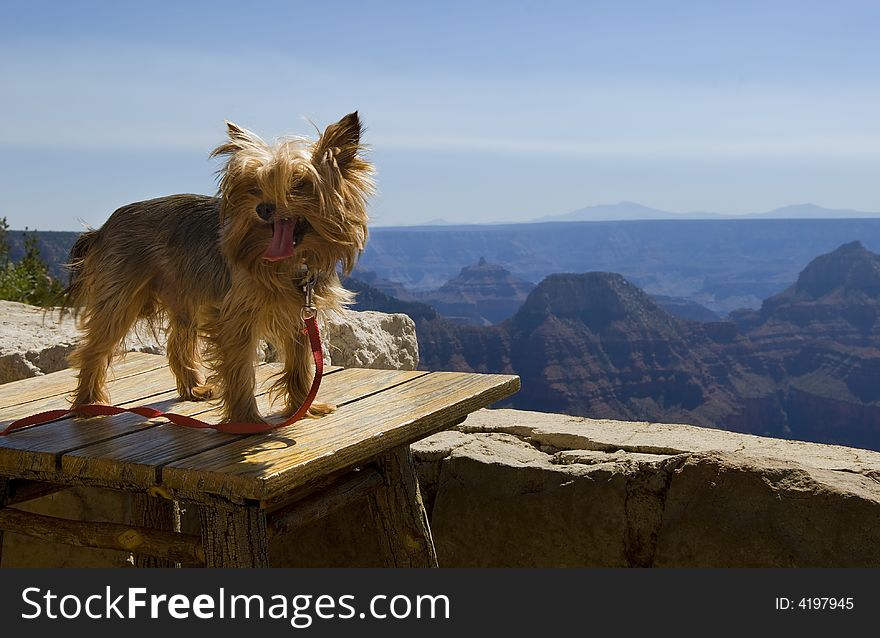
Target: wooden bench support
(23,490)
(155,513)
(234,535)
(400,514)
(173,547)
(344,492)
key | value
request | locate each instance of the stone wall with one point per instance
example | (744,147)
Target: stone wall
(527,489)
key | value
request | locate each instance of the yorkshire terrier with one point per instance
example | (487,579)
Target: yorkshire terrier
(228,269)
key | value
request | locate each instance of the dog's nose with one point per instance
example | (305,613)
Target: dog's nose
(266,210)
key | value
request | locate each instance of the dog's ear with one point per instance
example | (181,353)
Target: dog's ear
(239,139)
(340,142)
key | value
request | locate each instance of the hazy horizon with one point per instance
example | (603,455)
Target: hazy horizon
(495,112)
(606,213)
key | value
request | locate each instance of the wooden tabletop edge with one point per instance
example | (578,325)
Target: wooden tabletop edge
(271,486)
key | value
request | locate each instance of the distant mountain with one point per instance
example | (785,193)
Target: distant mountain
(622,211)
(723,265)
(811,211)
(837,295)
(822,337)
(849,271)
(437,221)
(482,293)
(594,344)
(630,211)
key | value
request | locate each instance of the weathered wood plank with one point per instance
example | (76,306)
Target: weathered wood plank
(115,459)
(135,458)
(38,448)
(125,390)
(271,464)
(61,383)
(179,548)
(404,531)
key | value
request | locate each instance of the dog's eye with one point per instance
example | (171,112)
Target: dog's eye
(255,192)
(302,188)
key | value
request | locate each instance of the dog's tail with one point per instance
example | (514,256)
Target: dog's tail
(71,297)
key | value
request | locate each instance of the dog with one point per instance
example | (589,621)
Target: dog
(221,272)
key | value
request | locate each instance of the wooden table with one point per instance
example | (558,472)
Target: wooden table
(245,487)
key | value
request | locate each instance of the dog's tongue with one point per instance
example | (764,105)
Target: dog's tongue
(281,246)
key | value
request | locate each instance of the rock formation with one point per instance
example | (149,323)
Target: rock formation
(483,294)
(804,366)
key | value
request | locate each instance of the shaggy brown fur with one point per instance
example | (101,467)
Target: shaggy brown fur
(227,269)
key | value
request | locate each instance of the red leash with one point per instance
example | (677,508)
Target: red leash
(95,409)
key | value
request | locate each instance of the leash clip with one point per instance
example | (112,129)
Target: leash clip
(309,311)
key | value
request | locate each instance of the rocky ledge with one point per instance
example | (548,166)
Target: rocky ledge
(515,488)
(34,342)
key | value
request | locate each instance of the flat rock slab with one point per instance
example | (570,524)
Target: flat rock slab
(561,432)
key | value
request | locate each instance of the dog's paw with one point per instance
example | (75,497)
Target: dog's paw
(252,417)
(202,392)
(321,409)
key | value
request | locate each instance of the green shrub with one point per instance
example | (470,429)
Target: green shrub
(28,280)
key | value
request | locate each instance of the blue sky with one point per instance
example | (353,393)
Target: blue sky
(475,111)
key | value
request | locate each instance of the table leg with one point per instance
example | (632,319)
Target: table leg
(234,535)
(154,513)
(5,490)
(400,515)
